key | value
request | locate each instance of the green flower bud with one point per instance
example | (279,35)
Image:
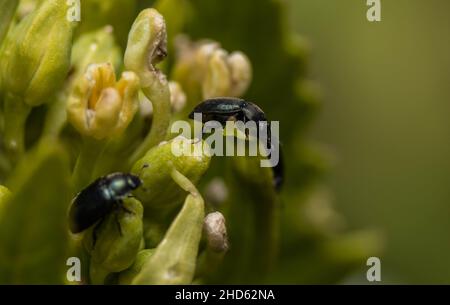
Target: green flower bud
(159,190)
(36,54)
(35,61)
(147,46)
(117,241)
(126,277)
(174,260)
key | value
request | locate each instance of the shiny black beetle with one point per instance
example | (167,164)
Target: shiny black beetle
(223,109)
(99,198)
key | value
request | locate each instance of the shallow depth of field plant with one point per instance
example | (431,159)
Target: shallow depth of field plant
(81,100)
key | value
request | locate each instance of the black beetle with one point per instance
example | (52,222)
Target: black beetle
(99,198)
(223,109)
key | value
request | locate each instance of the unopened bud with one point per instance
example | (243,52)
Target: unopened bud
(216,232)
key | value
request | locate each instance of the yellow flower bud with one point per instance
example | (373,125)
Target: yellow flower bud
(206,70)
(100,106)
(217,79)
(241,73)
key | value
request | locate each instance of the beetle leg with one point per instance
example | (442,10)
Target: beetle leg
(119,206)
(144,166)
(119,227)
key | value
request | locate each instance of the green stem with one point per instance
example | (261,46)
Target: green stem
(84,167)
(184,183)
(159,95)
(175,257)
(16,114)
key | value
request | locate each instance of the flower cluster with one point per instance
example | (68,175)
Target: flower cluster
(82,100)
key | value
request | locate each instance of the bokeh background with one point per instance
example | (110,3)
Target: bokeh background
(385,116)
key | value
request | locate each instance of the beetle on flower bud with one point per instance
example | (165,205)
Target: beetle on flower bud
(225,109)
(99,199)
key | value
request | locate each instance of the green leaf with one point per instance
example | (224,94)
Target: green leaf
(33,222)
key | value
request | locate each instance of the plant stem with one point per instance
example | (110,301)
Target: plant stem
(159,95)
(184,183)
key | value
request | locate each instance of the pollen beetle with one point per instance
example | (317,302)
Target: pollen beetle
(223,109)
(99,198)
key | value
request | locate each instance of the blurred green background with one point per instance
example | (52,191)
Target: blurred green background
(386,117)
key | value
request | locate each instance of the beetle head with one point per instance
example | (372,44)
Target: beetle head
(134,182)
